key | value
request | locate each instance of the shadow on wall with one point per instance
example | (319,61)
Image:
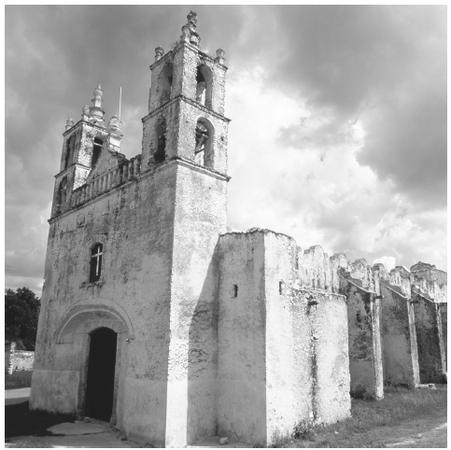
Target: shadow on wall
(361,358)
(202,358)
(429,358)
(396,340)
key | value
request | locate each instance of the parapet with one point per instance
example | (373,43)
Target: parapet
(314,269)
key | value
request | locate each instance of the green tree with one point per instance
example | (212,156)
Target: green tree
(21,316)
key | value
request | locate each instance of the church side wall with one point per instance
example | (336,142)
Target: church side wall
(134,224)
(396,345)
(288,350)
(241,378)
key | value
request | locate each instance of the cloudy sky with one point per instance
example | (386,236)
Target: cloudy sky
(338,132)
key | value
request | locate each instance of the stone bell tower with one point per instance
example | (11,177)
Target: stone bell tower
(82,145)
(186,105)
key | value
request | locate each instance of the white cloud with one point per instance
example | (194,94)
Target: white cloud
(314,188)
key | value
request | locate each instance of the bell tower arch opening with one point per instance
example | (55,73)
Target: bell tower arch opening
(204,81)
(166,82)
(203,150)
(101,373)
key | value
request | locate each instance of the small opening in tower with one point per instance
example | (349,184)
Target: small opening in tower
(61,195)
(70,144)
(166,82)
(160,153)
(280,287)
(97,148)
(204,80)
(235,291)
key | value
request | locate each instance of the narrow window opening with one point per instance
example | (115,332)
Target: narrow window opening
(70,144)
(280,287)
(235,291)
(97,148)
(61,195)
(296,262)
(160,153)
(95,269)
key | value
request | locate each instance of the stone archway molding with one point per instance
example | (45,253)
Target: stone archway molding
(116,313)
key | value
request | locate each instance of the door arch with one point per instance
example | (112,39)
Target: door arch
(99,398)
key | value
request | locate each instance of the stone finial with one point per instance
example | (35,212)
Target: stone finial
(220,56)
(192,19)
(115,133)
(159,52)
(69,123)
(85,112)
(115,124)
(95,110)
(97,97)
(189,33)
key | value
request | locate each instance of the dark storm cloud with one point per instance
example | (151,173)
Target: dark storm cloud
(385,64)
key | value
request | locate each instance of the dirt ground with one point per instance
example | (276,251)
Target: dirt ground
(428,432)
(403,419)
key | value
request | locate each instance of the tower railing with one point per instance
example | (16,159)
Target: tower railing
(126,171)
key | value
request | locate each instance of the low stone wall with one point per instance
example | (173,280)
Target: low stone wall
(18,360)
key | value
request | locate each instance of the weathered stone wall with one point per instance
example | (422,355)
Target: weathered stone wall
(289,376)
(7,355)
(429,356)
(331,399)
(241,375)
(361,354)
(398,361)
(17,360)
(430,281)
(282,346)
(135,223)
(443,308)
(360,284)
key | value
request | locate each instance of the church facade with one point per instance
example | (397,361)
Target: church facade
(157,319)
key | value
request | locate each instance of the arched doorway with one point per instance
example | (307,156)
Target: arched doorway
(101,368)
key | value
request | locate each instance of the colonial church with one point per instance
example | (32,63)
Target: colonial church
(155,318)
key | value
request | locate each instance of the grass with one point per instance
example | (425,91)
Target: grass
(18,379)
(371,420)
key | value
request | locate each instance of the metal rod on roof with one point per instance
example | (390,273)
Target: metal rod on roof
(120,103)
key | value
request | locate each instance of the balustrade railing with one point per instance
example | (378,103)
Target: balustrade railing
(108,180)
